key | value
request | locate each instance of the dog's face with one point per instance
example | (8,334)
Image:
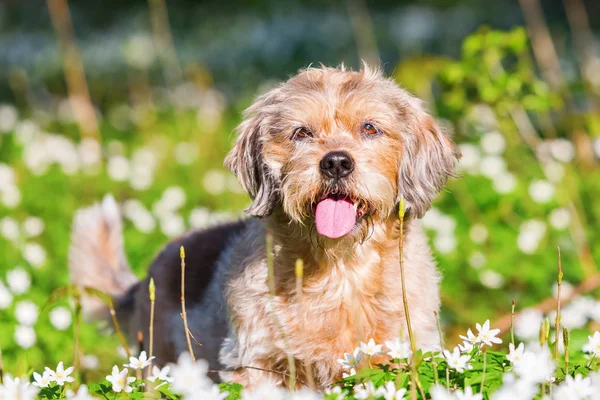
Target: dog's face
(338,150)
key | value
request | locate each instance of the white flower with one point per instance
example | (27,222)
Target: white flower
(186,153)
(82,394)
(577,388)
(478,233)
(120,381)
(18,280)
(477,260)
(390,392)
(457,361)
(17,388)
(536,367)
(189,376)
(351,373)
(504,183)
(172,225)
(141,218)
(26,312)
(215,181)
(438,392)
(554,171)
(60,317)
(8,117)
(234,185)
(6,297)
(9,229)
(265,391)
(597,147)
(90,361)
(366,391)
(141,177)
(445,243)
(491,279)
(33,226)
(567,290)
(25,336)
(118,168)
(140,362)
(541,191)
(160,374)
(513,388)
(562,150)
(530,234)
(371,348)
(90,153)
(527,323)
(560,218)
(593,345)
(515,354)
(446,224)
(486,335)
(351,360)
(139,51)
(211,393)
(431,219)
(7,175)
(471,155)
(338,391)
(11,196)
(34,254)
(61,375)
(492,166)
(493,143)
(470,338)
(43,380)
(399,349)
(466,346)
(173,198)
(468,394)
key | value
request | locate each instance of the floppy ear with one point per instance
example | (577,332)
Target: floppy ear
(246,160)
(427,163)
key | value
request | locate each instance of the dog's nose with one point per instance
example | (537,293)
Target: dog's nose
(337,164)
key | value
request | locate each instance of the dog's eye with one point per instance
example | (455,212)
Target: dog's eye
(302,133)
(369,129)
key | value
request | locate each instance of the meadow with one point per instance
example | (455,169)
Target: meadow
(523,204)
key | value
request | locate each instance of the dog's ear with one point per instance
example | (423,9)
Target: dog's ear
(246,159)
(427,162)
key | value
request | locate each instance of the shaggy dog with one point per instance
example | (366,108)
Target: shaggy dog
(326,158)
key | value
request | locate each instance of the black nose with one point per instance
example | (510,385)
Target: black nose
(337,164)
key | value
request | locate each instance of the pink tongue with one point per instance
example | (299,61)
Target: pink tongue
(335,218)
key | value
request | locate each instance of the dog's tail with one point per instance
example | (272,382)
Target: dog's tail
(97,257)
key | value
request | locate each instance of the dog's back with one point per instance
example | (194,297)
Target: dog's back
(97,259)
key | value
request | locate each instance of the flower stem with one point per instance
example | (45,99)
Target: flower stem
(557,322)
(413,346)
(484,368)
(76,334)
(183,312)
(512,322)
(113,315)
(152,292)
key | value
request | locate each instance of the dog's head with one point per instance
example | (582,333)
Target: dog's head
(338,148)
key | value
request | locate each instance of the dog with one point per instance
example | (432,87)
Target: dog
(326,157)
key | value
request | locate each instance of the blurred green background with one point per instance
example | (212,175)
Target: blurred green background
(140,99)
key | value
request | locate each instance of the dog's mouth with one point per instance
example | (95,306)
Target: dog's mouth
(337,214)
